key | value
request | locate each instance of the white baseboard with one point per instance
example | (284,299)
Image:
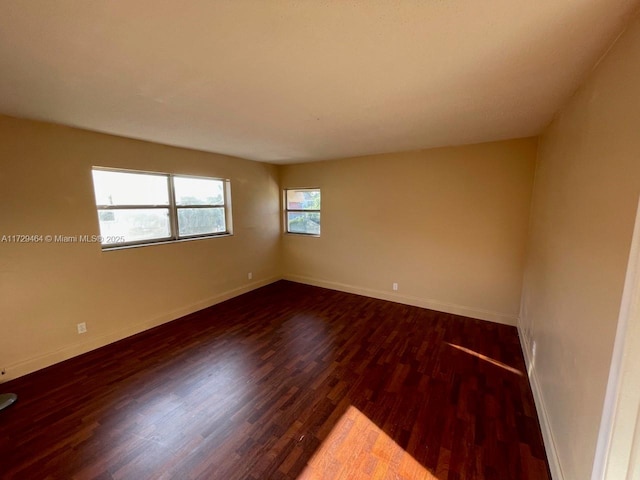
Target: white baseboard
(47,359)
(543,417)
(408,300)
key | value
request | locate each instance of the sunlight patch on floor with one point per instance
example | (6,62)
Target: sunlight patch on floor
(356,449)
(486,359)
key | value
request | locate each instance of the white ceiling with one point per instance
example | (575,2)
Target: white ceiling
(288,81)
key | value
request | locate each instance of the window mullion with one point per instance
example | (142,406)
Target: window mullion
(200,206)
(130,207)
(173,210)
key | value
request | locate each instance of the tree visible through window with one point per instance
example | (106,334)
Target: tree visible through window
(200,205)
(137,208)
(303,211)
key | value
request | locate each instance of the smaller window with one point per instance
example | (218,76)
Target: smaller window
(302,210)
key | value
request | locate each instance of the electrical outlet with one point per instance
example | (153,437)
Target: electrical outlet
(395,287)
(82,327)
(250,275)
(534,347)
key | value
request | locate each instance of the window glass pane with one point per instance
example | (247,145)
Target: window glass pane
(303,199)
(303,222)
(133,225)
(198,191)
(123,188)
(200,221)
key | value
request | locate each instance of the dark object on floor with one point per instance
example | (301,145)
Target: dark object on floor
(7,399)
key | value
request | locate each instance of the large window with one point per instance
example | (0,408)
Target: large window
(137,208)
(302,211)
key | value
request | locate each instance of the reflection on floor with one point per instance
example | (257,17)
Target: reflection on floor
(357,449)
(487,359)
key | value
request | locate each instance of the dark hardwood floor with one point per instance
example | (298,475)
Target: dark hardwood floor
(288,381)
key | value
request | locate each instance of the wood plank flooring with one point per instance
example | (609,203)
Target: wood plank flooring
(286,382)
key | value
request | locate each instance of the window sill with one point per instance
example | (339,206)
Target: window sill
(293,234)
(110,248)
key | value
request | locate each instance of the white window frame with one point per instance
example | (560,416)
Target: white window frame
(287,210)
(173,210)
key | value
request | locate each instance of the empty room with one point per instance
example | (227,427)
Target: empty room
(294,240)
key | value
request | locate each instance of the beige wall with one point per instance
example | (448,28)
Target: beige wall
(448,225)
(46,188)
(585,198)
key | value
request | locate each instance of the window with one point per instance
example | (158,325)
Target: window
(138,208)
(302,207)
